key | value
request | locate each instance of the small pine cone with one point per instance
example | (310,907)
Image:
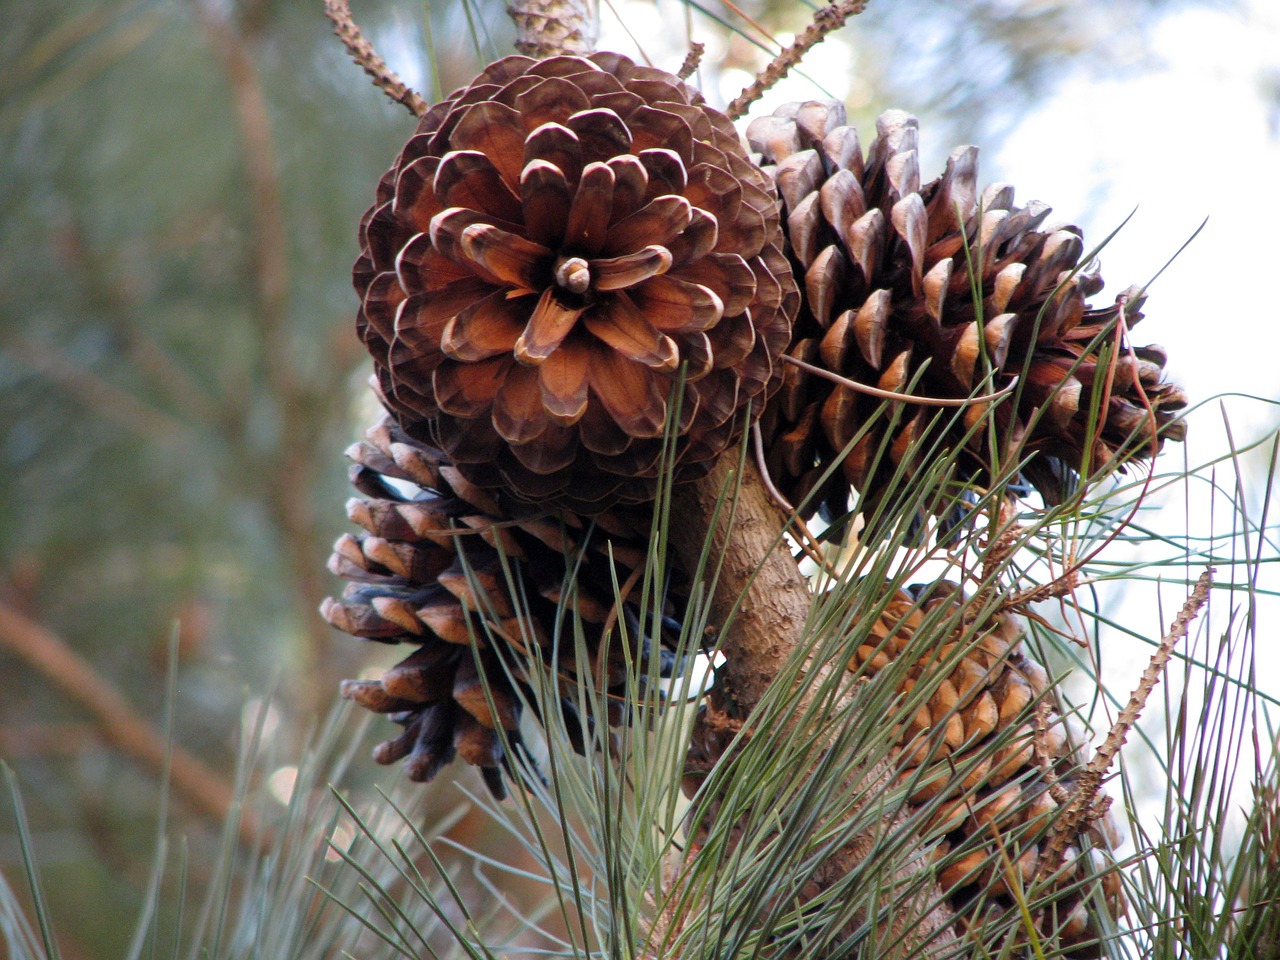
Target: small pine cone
(989,803)
(559,244)
(978,770)
(440,565)
(889,269)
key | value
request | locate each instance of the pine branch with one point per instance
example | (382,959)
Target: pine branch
(762,601)
(825,21)
(49,654)
(691,60)
(760,590)
(1084,803)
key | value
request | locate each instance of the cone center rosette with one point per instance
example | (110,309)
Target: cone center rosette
(583,287)
(566,249)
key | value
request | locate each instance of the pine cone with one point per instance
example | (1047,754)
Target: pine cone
(991,803)
(560,243)
(429,571)
(889,270)
(972,761)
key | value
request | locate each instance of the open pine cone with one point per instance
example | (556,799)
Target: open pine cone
(560,243)
(475,584)
(889,270)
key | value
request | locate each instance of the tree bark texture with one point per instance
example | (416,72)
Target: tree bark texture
(760,585)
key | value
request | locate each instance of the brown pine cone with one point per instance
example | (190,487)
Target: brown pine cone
(431,569)
(970,757)
(994,806)
(559,244)
(890,268)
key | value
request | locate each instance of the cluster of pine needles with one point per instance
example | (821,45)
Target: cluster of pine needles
(605,829)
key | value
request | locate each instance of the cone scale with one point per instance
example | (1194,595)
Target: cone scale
(475,585)
(947,292)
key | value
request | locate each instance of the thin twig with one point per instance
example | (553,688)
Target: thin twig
(757,447)
(1044,759)
(1002,543)
(751,21)
(808,543)
(1069,580)
(1085,803)
(824,22)
(691,60)
(123,726)
(104,398)
(894,395)
(367,58)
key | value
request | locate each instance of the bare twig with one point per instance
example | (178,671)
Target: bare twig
(1057,587)
(1085,804)
(825,21)
(367,58)
(1044,758)
(1002,543)
(809,544)
(691,60)
(48,653)
(894,395)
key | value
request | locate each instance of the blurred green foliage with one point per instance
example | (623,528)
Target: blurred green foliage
(176,384)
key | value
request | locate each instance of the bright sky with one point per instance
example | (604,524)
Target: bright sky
(1189,140)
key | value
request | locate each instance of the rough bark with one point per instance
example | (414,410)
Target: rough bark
(760,585)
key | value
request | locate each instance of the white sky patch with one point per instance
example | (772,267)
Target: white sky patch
(1191,139)
(1188,141)
(653,31)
